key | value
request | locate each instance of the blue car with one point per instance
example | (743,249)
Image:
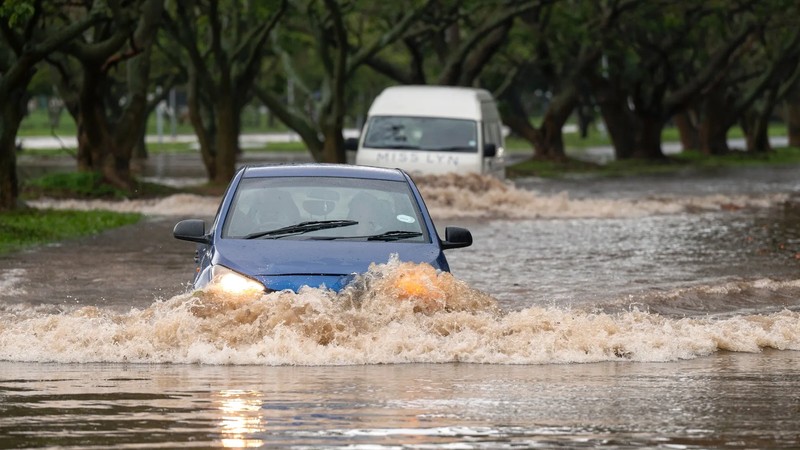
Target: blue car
(287,226)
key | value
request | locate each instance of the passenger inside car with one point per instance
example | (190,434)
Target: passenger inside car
(263,211)
(371,214)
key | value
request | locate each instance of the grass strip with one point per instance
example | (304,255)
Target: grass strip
(87,185)
(30,227)
(687,160)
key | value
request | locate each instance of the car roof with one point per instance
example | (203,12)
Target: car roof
(323,170)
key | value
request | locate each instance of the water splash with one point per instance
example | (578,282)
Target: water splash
(11,281)
(173,205)
(473,195)
(395,313)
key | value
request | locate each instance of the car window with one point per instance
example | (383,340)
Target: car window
(422,133)
(379,206)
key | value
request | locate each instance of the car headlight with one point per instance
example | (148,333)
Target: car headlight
(232,282)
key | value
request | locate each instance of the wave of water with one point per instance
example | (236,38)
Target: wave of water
(471,196)
(396,313)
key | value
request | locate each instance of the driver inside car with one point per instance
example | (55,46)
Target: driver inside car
(370,213)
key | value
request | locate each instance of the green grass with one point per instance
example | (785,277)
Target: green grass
(688,160)
(29,227)
(37,123)
(87,185)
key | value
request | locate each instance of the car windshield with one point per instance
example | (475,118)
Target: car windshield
(324,208)
(422,133)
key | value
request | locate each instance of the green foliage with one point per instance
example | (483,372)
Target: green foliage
(29,227)
(15,12)
(87,185)
(79,184)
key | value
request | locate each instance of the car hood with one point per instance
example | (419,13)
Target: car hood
(291,264)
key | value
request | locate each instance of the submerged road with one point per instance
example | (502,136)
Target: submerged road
(651,312)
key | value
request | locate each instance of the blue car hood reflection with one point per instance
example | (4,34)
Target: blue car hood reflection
(292,264)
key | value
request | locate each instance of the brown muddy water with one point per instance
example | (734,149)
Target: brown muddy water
(659,312)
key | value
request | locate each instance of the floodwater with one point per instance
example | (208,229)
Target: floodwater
(655,312)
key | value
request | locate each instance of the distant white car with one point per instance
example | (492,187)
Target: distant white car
(432,129)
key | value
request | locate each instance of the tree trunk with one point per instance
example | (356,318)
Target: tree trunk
(525,130)
(13,101)
(515,116)
(793,115)
(139,155)
(756,133)
(619,125)
(547,140)
(616,116)
(687,130)
(647,140)
(793,122)
(333,142)
(550,142)
(98,150)
(717,119)
(9,184)
(206,136)
(713,137)
(227,139)
(558,111)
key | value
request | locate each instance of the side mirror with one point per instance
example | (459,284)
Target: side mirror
(193,230)
(489,150)
(351,144)
(455,237)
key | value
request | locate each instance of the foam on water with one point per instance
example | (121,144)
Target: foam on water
(173,205)
(453,195)
(396,313)
(473,195)
(10,281)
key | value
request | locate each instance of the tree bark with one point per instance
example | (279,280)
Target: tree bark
(227,139)
(793,123)
(11,118)
(616,115)
(756,133)
(793,116)
(687,130)
(647,141)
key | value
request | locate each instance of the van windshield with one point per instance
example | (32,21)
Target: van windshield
(422,133)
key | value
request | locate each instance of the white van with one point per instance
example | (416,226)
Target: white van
(432,129)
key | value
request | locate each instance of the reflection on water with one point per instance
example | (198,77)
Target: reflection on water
(241,418)
(728,400)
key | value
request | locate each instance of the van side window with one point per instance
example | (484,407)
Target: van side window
(449,135)
(491,134)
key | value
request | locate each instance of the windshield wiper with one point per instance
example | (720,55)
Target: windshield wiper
(300,228)
(394,235)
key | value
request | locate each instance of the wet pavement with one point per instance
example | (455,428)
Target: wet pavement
(126,267)
(656,312)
